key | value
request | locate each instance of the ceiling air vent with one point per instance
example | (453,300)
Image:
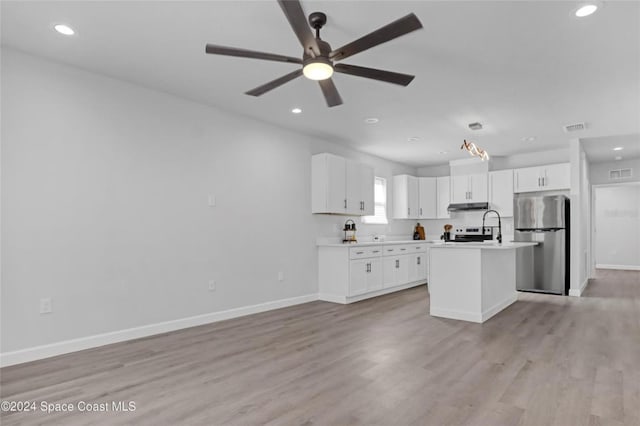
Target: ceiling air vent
(574,127)
(620,174)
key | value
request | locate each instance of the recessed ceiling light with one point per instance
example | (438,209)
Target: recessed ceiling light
(586,10)
(64,29)
(618,148)
(371,120)
(529,139)
(618,158)
(413,139)
(475,126)
(296,110)
(443,152)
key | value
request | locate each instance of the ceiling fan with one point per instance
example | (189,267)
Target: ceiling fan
(318,58)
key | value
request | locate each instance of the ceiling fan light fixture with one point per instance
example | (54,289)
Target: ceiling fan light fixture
(586,10)
(318,69)
(64,29)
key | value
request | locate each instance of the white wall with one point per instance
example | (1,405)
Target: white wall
(580,240)
(599,172)
(617,226)
(105,206)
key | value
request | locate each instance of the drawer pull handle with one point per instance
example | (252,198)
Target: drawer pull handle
(359,252)
(402,249)
(376,251)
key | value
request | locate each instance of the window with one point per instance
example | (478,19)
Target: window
(380,203)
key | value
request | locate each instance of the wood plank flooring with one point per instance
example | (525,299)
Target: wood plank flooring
(545,360)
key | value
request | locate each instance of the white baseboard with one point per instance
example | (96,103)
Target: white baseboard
(456,315)
(478,317)
(488,313)
(327,297)
(578,292)
(623,267)
(335,298)
(59,348)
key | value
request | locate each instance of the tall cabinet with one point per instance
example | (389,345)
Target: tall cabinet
(501,192)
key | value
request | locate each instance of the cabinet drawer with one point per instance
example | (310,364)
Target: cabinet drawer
(418,248)
(364,252)
(396,250)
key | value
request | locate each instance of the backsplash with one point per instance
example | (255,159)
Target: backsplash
(329,227)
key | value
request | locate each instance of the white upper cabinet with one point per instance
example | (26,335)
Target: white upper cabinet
(469,188)
(542,178)
(443,197)
(360,187)
(428,199)
(405,197)
(501,192)
(339,186)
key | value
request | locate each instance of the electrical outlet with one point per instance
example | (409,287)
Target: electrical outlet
(212,285)
(45,305)
(280,276)
(212,200)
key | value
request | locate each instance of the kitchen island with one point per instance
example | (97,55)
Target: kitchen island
(472,281)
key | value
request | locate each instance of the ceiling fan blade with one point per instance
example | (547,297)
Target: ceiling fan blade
(393,30)
(244,53)
(275,83)
(382,75)
(330,92)
(298,21)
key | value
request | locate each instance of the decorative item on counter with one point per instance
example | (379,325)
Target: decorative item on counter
(447,233)
(349,232)
(418,234)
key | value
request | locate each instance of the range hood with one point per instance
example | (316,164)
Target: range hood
(461,207)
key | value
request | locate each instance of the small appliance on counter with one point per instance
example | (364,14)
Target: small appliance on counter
(446,236)
(418,233)
(349,232)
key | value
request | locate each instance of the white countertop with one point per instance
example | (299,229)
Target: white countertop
(377,243)
(491,245)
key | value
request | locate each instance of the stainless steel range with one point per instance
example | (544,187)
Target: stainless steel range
(473,234)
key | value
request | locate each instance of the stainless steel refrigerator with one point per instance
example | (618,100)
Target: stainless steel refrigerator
(543,268)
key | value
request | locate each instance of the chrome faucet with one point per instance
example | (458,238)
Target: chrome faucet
(499,224)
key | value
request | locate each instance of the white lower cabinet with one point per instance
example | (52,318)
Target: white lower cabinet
(365,275)
(347,274)
(417,266)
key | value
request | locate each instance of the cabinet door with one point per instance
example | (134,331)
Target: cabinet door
(358,271)
(527,179)
(478,188)
(428,198)
(402,269)
(414,195)
(328,184)
(417,267)
(374,277)
(557,176)
(367,184)
(460,189)
(421,266)
(501,192)
(443,196)
(352,184)
(401,197)
(389,272)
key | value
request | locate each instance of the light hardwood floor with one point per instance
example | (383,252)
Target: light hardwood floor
(546,360)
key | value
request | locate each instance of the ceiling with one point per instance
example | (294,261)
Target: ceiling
(522,69)
(604,149)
